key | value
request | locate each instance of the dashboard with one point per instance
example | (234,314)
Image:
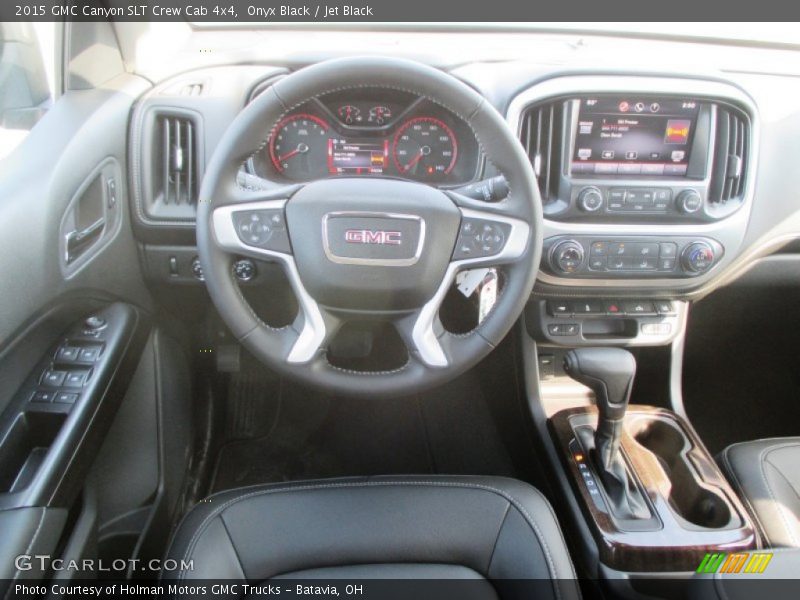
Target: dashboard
(651,182)
(369,132)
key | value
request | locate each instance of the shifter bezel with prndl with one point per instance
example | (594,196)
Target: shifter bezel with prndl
(691,509)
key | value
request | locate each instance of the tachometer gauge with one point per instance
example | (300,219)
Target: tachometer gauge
(349,114)
(299,147)
(379,114)
(424,148)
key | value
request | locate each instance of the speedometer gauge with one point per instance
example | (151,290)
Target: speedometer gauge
(424,148)
(299,147)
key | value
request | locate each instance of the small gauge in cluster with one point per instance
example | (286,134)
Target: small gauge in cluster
(424,148)
(379,114)
(349,114)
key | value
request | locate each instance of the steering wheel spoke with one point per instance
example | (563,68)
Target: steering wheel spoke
(489,237)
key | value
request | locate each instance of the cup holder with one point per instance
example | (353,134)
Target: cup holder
(689,499)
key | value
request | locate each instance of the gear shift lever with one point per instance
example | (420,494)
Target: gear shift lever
(609,373)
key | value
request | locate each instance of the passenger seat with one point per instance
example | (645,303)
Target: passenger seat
(766,473)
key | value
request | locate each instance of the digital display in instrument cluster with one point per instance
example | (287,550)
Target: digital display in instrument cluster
(634,136)
(370,135)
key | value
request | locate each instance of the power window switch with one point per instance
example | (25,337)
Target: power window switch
(90,354)
(53,378)
(68,353)
(42,396)
(76,379)
(66,398)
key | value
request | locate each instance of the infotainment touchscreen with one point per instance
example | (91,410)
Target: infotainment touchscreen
(633,136)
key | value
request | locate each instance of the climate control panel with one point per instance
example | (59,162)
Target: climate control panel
(599,257)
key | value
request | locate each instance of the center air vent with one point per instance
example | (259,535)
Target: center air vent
(541,135)
(730,155)
(178,173)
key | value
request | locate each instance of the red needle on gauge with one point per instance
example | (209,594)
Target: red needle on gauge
(425,150)
(301,148)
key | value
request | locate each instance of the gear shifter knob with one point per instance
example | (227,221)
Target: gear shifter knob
(609,373)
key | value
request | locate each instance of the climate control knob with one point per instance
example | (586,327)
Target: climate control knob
(689,202)
(567,256)
(590,199)
(698,257)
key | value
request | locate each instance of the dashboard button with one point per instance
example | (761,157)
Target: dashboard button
(652,169)
(666,264)
(613,308)
(618,263)
(644,263)
(639,249)
(559,308)
(588,307)
(639,307)
(617,249)
(665,307)
(597,263)
(599,248)
(668,250)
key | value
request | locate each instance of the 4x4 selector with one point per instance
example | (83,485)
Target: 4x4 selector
(698,257)
(689,202)
(590,199)
(567,256)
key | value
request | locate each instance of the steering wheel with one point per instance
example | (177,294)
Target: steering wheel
(416,236)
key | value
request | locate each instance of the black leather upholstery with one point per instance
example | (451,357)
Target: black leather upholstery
(386,527)
(766,473)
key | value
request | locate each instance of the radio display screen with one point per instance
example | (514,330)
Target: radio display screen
(634,136)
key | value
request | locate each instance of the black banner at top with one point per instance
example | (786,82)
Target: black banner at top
(264,12)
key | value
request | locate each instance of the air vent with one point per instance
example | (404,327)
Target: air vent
(541,135)
(192,89)
(176,178)
(730,155)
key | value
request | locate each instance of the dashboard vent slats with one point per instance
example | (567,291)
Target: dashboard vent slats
(541,135)
(730,155)
(178,155)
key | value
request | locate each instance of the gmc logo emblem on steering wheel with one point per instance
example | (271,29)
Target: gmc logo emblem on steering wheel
(368,236)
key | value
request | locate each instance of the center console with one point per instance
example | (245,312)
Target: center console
(652,495)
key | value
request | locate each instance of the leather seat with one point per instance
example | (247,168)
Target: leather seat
(767,475)
(480,528)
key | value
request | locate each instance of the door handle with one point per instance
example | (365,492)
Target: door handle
(78,241)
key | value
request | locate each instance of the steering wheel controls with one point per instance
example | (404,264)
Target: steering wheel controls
(479,238)
(263,228)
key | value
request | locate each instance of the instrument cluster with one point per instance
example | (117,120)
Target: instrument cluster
(370,132)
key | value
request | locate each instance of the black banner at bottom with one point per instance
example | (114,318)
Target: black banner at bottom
(404,589)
